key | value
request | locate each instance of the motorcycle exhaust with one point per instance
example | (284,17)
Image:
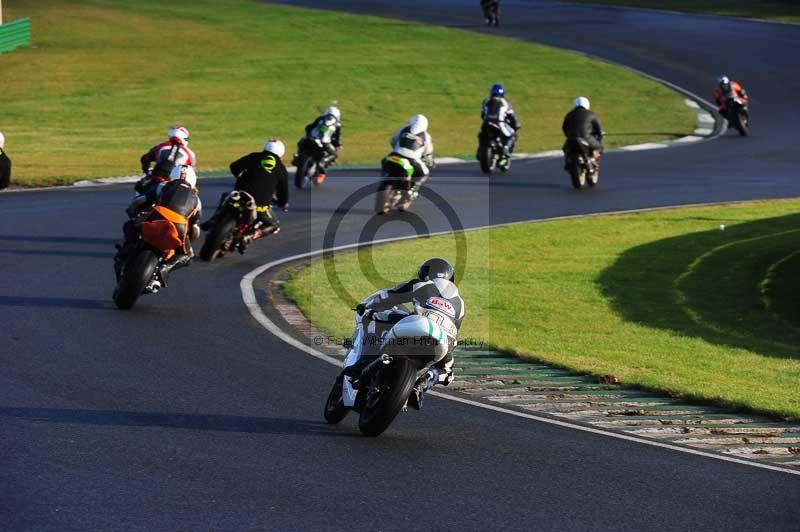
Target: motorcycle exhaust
(383,359)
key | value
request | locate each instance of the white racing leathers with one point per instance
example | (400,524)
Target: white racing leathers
(416,147)
(438,312)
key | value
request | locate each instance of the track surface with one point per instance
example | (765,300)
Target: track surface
(185,415)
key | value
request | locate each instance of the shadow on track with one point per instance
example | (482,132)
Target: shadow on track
(55,302)
(252,425)
(60,239)
(714,286)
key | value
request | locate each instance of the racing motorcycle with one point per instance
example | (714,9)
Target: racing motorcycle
(236,220)
(738,115)
(382,389)
(398,188)
(581,163)
(140,273)
(491,152)
(491,12)
(309,158)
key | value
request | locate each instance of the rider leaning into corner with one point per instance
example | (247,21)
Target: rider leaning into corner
(159,161)
(5,164)
(414,143)
(326,128)
(582,123)
(263,175)
(728,89)
(176,199)
(434,296)
(497,109)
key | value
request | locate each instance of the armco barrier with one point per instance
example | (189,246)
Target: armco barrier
(15,34)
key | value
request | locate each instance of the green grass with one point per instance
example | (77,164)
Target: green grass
(775,10)
(105,78)
(663,300)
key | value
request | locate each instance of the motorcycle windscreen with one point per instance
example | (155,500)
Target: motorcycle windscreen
(161,234)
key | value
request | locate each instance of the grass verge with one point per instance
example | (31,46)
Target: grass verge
(104,79)
(663,300)
(775,10)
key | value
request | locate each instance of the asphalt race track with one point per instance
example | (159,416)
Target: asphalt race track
(185,415)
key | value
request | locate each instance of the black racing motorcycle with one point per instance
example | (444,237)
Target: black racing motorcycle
(491,151)
(738,115)
(235,221)
(309,162)
(491,12)
(398,188)
(581,163)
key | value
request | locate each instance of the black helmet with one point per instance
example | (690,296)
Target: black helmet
(436,268)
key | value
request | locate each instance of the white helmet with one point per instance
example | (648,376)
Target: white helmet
(581,101)
(180,133)
(186,173)
(418,123)
(334,111)
(2,140)
(275,146)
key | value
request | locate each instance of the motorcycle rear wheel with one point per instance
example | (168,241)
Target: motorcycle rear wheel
(576,173)
(486,159)
(741,123)
(398,382)
(335,411)
(302,176)
(137,274)
(383,199)
(219,234)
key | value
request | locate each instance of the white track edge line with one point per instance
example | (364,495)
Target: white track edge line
(251,301)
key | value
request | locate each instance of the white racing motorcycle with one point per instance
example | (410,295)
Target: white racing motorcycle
(400,358)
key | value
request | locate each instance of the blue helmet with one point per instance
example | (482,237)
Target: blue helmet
(497,90)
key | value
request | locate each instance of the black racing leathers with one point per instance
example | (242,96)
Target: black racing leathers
(262,175)
(5,170)
(582,123)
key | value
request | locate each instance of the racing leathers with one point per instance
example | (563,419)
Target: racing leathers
(177,202)
(263,175)
(437,300)
(584,124)
(497,110)
(328,130)
(157,164)
(416,148)
(724,93)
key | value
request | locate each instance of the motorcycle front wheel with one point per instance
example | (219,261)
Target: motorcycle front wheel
(136,275)
(386,398)
(335,411)
(741,123)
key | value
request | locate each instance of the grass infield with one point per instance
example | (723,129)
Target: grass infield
(774,10)
(664,300)
(105,78)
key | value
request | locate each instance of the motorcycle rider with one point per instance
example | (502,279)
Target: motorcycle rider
(176,200)
(263,175)
(159,161)
(5,164)
(728,89)
(434,295)
(498,110)
(582,123)
(327,128)
(414,143)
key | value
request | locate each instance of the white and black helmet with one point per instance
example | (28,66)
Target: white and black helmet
(275,146)
(436,268)
(334,112)
(581,101)
(2,140)
(418,124)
